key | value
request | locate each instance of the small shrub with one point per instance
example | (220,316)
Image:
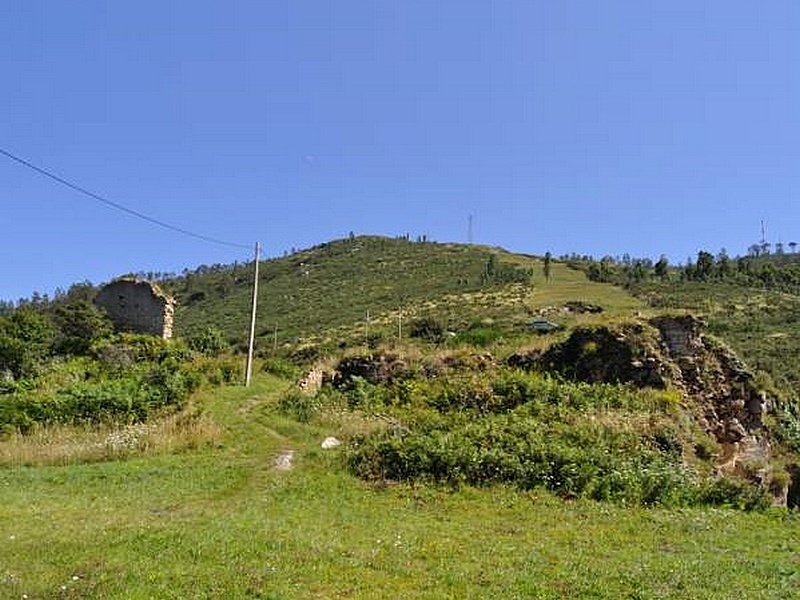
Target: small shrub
(298,405)
(221,371)
(365,396)
(667,441)
(480,335)
(281,367)
(735,493)
(427,328)
(210,341)
(306,354)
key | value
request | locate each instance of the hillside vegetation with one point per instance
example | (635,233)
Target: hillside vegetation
(222,521)
(324,294)
(624,450)
(751,302)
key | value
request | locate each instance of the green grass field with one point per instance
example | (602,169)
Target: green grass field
(223,522)
(196,508)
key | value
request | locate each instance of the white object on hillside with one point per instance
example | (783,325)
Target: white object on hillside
(330,442)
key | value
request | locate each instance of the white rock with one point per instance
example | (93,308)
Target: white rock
(330,442)
(283,462)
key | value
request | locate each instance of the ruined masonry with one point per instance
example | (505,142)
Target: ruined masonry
(137,306)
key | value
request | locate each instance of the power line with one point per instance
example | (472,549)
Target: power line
(117,205)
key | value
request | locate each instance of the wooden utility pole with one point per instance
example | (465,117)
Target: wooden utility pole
(249,369)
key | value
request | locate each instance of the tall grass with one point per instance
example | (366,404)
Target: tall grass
(71,444)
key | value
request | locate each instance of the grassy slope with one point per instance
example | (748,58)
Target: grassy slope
(222,523)
(328,290)
(321,296)
(568,284)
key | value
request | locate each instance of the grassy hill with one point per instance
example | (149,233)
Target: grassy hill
(329,289)
(467,468)
(368,291)
(337,292)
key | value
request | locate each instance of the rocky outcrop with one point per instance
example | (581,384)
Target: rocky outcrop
(312,381)
(728,403)
(715,378)
(382,368)
(674,352)
(628,353)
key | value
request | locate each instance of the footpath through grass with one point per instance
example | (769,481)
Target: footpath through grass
(222,522)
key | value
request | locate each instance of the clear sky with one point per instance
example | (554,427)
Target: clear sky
(596,127)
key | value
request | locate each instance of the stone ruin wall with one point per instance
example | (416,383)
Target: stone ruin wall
(138,307)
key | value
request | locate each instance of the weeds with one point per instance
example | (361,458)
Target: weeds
(70,444)
(599,441)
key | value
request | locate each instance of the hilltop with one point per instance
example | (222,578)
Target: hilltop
(335,292)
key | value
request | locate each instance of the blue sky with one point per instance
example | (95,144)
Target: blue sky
(644,127)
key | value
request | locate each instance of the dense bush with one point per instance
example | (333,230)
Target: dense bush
(480,334)
(210,341)
(26,339)
(299,406)
(130,378)
(281,367)
(479,392)
(221,370)
(427,328)
(79,324)
(533,431)
(583,459)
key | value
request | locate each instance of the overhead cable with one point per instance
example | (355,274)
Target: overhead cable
(119,206)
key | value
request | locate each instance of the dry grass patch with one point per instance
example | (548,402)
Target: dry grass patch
(70,444)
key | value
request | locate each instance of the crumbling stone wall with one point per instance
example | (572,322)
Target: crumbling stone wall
(682,335)
(138,307)
(674,352)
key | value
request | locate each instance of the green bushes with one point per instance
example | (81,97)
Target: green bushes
(26,338)
(79,324)
(130,378)
(280,367)
(129,399)
(534,431)
(427,328)
(504,390)
(480,334)
(59,363)
(299,406)
(210,341)
(584,459)
(221,370)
